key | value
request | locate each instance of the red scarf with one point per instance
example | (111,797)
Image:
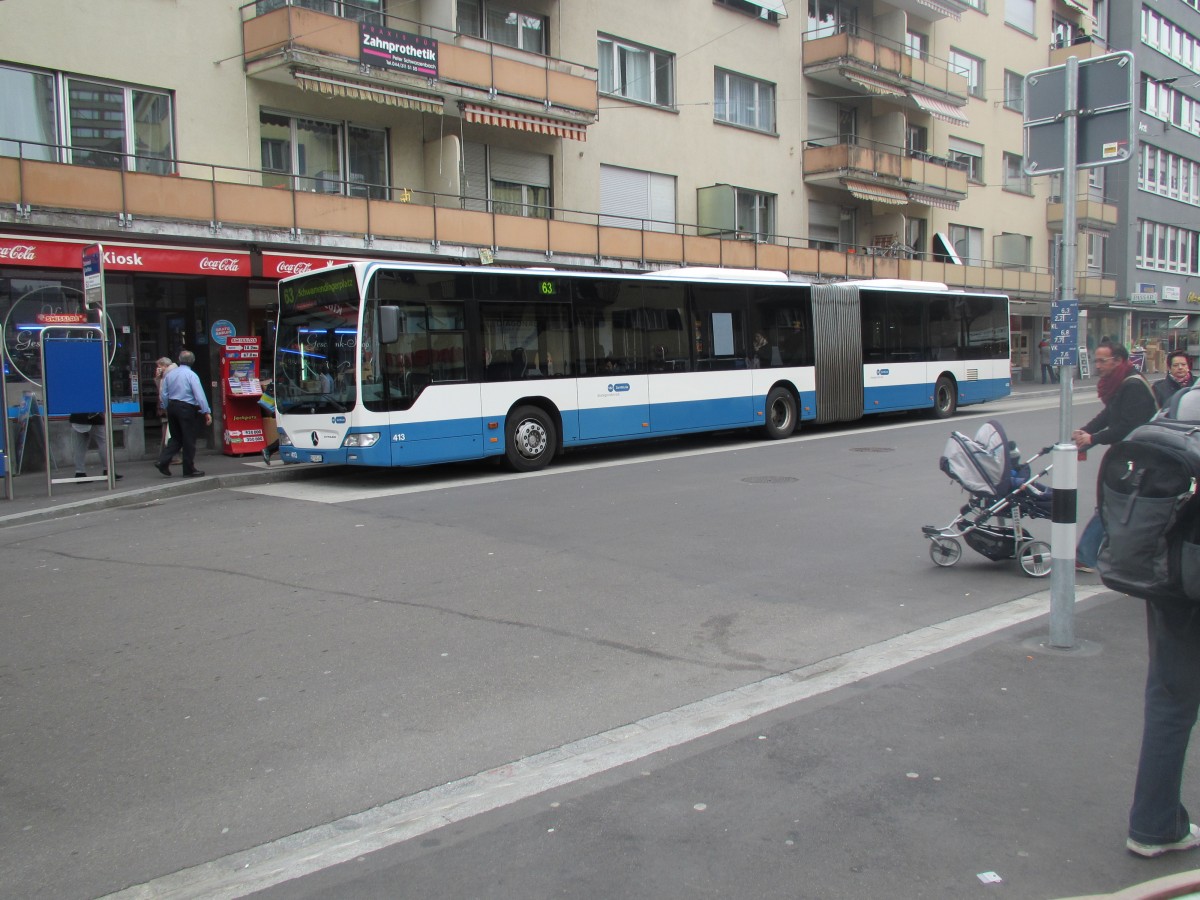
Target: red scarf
(1108,384)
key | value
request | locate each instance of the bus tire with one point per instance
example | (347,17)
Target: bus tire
(945,398)
(780,413)
(529,439)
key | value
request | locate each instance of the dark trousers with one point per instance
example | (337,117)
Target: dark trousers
(183,421)
(1158,815)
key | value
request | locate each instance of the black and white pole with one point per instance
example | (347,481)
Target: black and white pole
(1066,459)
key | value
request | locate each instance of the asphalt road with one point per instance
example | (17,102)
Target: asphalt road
(199,677)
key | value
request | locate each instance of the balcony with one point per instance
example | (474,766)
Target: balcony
(313,50)
(862,63)
(919,178)
(1092,215)
(210,204)
(1083,46)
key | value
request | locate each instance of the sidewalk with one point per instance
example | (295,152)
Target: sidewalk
(140,483)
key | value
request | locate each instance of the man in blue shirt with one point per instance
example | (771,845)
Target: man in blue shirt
(182,395)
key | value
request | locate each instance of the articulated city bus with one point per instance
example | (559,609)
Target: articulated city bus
(382,364)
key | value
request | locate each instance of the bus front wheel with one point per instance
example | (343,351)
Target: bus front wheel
(781,413)
(530,439)
(945,398)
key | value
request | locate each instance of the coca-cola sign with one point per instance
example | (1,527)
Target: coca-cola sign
(293,268)
(61,253)
(19,253)
(220,264)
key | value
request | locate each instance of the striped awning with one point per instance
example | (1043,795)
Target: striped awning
(360,90)
(942,9)
(507,118)
(930,200)
(876,193)
(875,87)
(940,109)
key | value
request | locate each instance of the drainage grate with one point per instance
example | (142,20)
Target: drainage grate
(769,479)
(872,449)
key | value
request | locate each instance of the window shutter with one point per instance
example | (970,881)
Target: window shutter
(519,167)
(475,183)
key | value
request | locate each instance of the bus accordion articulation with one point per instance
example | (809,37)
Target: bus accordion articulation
(397,364)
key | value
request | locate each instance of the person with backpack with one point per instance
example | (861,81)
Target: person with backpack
(1152,506)
(1128,402)
(1179,378)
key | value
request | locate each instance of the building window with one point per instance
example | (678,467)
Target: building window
(1014,91)
(504,181)
(916,45)
(631,198)
(29,110)
(971,67)
(743,101)
(1170,40)
(1011,251)
(636,73)
(103,124)
(1168,175)
(968,244)
(1095,246)
(1167,248)
(750,9)
(1020,15)
(370,11)
(969,155)
(326,157)
(501,24)
(826,17)
(1015,179)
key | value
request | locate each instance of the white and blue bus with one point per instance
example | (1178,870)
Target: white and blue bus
(396,364)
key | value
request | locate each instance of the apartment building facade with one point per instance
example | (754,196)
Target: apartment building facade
(214,147)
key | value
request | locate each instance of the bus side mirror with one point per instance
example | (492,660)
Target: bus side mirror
(389,324)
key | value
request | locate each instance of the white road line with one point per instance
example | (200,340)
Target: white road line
(384,826)
(332,493)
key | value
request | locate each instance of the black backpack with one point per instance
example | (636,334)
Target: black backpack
(1150,506)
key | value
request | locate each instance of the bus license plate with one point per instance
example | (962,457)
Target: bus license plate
(315,457)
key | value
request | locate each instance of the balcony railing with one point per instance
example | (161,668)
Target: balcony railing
(280,39)
(1095,215)
(206,202)
(827,160)
(881,63)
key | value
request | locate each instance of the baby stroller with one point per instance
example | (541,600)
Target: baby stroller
(1003,491)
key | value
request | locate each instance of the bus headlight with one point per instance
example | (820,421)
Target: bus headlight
(367,439)
(284,440)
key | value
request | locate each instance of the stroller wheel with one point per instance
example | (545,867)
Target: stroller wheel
(944,551)
(1034,557)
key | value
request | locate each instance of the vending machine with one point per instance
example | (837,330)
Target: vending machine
(240,392)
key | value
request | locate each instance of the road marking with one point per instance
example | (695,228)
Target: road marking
(401,820)
(333,493)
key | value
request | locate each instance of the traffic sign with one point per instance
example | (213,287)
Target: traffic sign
(1102,109)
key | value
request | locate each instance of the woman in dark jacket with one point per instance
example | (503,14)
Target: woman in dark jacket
(1179,378)
(1129,401)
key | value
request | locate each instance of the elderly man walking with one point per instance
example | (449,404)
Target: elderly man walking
(182,395)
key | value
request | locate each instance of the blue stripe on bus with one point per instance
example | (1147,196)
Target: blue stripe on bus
(421,443)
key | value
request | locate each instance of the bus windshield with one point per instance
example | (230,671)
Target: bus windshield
(316,344)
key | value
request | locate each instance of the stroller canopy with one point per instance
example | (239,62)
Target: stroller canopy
(981,464)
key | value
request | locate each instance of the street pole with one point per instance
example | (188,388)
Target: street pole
(1066,461)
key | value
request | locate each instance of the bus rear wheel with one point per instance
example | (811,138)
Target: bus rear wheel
(780,413)
(529,440)
(945,398)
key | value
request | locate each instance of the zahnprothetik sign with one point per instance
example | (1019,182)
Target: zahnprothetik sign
(397,50)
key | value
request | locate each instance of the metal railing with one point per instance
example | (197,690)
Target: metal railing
(605,237)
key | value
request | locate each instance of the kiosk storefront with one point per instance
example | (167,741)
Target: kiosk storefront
(160,300)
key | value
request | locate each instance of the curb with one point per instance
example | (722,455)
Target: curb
(166,491)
